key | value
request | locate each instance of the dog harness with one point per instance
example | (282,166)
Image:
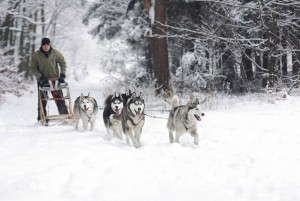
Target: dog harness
(88,115)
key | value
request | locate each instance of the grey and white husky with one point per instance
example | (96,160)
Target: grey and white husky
(112,114)
(86,109)
(184,118)
(133,119)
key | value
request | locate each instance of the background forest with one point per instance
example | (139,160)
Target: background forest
(233,46)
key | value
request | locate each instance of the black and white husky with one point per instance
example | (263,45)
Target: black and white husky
(183,119)
(113,106)
(86,109)
(133,119)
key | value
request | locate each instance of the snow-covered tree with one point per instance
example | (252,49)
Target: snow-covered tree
(22,25)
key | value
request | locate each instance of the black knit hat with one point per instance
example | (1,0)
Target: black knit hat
(45,41)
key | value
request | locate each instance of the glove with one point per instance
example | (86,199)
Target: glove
(61,78)
(43,81)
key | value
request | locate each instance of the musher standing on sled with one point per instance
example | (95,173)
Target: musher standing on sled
(44,66)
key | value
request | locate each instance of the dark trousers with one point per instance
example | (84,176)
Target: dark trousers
(61,104)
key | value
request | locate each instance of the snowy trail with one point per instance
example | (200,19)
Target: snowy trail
(248,152)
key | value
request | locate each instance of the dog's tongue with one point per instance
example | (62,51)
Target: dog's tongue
(198,117)
(118,112)
(138,113)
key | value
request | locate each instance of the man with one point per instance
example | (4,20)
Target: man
(44,66)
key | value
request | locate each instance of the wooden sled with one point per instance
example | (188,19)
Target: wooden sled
(58,118)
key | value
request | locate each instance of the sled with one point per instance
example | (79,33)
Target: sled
(58,118)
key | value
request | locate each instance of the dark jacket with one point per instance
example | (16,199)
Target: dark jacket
(47,64)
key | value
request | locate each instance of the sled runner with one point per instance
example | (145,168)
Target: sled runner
(60,95)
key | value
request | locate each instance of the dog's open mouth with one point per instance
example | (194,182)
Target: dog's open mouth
(86,109)
(117,111)
(138,113)
(197,117)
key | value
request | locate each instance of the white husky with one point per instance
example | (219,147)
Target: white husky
(86,109)
(183,119)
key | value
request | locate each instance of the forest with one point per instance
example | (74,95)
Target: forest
(228,46)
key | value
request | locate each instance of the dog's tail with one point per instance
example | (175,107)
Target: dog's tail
(175,101)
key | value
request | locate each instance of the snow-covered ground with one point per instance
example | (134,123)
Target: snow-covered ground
(249,151)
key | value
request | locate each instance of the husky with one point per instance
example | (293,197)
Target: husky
(183,119)
(86,109)
(133,119)
(112,114)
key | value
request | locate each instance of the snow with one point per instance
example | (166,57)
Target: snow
(152,11)
(248,150)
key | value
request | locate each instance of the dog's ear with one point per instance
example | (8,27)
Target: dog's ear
(128,92)
(121,96)
(133,95)
(81,96)
(89,95)
(140,95)
(190,102)
(197,101)
(191,98)
(202,102)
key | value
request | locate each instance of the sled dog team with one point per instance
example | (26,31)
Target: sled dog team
(125,113)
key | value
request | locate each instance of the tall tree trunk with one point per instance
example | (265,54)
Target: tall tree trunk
(159,48)
(296,63)
(5,30)
(247,63)
(271,35)
(258,66)
(284,64)
(265,66)
(43,17)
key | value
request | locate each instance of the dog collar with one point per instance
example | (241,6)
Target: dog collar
(87,114)
(185,124)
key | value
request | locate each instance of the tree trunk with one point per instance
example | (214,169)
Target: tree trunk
(296,63)
(43,17)
(159,48)
(284,64)
(247,63)
(258,66)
